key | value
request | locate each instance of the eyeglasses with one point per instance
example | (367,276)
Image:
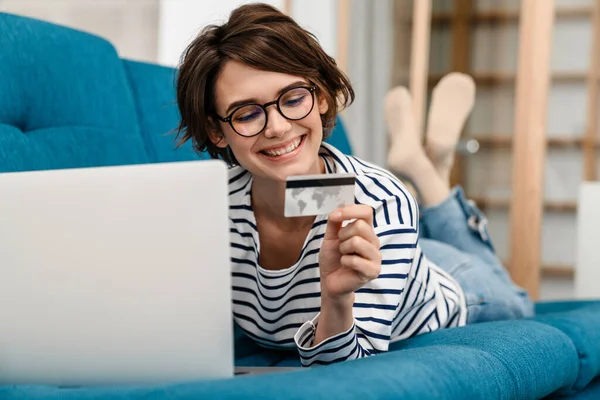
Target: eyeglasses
(251,119)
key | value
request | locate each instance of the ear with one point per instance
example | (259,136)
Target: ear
(218,139)
(323,106)
(216,135)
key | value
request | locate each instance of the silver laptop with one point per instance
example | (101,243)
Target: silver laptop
(115,275)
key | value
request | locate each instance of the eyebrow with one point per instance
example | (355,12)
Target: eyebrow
(238,103)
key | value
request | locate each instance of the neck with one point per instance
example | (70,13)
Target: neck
(268,202)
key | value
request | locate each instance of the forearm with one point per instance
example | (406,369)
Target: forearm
(336,317)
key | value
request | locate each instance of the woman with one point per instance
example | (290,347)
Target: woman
(260,93)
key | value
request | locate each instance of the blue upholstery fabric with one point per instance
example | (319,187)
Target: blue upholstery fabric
(510,361)
(580,321)
(528,351)
(64,100)
(583,328)
(339,138)
(547,307)
(153,88)
(591,392)
(419,374)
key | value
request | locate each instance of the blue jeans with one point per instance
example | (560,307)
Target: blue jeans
(454,236)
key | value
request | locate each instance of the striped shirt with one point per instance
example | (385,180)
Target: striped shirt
(280,309)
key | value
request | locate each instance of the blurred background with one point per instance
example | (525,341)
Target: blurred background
(372,42)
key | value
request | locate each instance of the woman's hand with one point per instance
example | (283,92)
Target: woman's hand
(348,259)
(349,256)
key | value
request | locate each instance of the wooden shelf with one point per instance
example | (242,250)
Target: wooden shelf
(464,17)
(561,271)
(556,206)
(500,77)
(504,141)
(510,15)
(558,271)
(487,202)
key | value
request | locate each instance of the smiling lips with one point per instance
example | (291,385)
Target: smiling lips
(280,151)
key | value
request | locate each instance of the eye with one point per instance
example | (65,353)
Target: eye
(294,101)
(246,118)
(247,114)
(295,97)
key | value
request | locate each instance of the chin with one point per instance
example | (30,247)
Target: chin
(282,174)
(300,161)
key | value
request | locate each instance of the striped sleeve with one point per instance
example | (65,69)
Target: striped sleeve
(341,347)
(376,304)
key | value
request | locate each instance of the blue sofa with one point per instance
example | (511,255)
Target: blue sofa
(67,100)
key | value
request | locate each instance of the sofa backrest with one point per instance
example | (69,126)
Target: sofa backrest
(68,101)
(153,88)
(64,100)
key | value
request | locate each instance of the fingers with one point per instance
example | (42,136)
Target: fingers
(359,228)
(366,270)
(357,245)
(358,249)
(337,218)
(355,211)
(333,229)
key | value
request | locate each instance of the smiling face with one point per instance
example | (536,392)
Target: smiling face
(285,147)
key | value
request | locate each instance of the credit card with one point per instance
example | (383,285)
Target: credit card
(309,195)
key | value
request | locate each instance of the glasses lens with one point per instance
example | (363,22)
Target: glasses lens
(248,120)
(296,103)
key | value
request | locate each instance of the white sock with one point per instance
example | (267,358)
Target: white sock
(406,149)
(406,156)
(452,101)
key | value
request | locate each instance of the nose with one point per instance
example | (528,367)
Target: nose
(277,124)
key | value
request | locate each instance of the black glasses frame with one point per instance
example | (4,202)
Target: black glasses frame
(227,119)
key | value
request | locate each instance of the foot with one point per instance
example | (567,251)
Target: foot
(406,151)
(452,101)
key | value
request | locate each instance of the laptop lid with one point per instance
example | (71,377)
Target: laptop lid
(115,275)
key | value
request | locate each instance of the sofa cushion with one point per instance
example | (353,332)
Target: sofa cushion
(534,359)
(547,307)
(339,138)
(591,392)
(430,372)
(153,88)
(526,361)
(538,358)
(64,99)
(580,321)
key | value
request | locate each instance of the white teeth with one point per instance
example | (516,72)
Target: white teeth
(288,149)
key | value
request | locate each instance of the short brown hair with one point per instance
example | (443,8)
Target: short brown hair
(261,37)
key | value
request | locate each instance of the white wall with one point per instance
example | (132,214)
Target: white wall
(370,70)
(181,20)
(319,17)
(587,276)
(131,26)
